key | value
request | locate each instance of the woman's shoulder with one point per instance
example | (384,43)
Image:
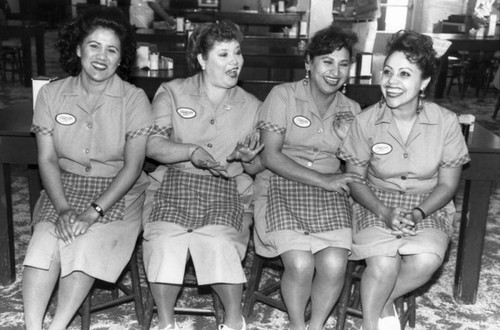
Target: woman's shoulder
(439,112)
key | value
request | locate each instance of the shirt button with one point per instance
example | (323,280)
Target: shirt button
(403,177)
(306,233)
(315,149)
(209,145)
(402,192)
(87,169)
(399,236)
(405,155)
(212,121)
(87,151)
(190,230)
(320,131)
(309,164)
(89,126)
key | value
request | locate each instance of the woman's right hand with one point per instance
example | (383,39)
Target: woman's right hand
(203,160)
(338,182)
(396,218)
(64,225)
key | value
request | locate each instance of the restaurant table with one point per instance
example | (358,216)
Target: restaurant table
(25,31)
(461,42)
(480,176)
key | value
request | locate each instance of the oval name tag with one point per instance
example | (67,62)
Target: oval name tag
(381,148)
(65,119)
(186,113)
(301,121)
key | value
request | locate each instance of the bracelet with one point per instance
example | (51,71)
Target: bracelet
(192,152)
(98,209)
(421,212)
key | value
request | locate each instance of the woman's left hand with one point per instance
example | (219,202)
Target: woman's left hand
(247,150)
(83,222)
(342,122)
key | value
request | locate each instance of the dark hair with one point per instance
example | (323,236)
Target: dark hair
(204,37)
(330,39)
(73,33)
(417,49)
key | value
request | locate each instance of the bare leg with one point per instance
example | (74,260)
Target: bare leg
(231,295)
(296,285)
(38,285)
(377,283)
(72,292)
(165,296)
(416,270)
(327,284)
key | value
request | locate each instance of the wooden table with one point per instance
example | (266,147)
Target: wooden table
(25,31)
(480,176)
(17,146)
(461,42)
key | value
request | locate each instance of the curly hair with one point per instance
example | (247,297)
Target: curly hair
(73,33)
(330,39)
(417,49)
(204,37)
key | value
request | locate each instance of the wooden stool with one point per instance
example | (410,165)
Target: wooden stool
(350,299)
(189,281)
(254,293)
(132,293)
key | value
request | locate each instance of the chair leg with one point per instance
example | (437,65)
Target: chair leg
(497,105)
(136,286)
(345,296)
(253,285)
(85,312)
(148,311)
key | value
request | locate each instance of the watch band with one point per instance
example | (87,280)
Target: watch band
(98,209)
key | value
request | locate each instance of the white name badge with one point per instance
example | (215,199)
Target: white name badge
(301,121)
(186,113)
(65,119)
(381,148)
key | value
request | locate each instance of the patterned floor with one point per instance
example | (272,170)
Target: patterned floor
(436,308)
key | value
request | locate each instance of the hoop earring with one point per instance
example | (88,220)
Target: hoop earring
(306,78)
(420,105)
(344,89)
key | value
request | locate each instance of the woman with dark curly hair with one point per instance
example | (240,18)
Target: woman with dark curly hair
(205,135)
(91,130)
(411,153)
(302,209)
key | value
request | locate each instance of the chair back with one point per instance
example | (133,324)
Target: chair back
(365,95)
(259,88)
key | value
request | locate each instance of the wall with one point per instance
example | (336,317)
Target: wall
(428,13)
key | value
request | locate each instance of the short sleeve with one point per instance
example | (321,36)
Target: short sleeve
(162,110)
(355,148)
(455,152)
(139,115)
(273,111)
(42,120)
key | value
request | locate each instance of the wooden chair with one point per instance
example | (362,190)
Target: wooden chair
(259,88)
(129,293)
(189,281)
(350,299)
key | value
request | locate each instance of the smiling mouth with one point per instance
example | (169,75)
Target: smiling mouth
(392,92)
(331,81)
(233,73)
(99,66)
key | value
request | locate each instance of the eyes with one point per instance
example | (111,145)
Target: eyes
(387,72)
(237,52)
(97,46)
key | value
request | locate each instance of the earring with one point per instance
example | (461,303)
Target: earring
(382,101)
(344,89)
(420,105)
(306,78)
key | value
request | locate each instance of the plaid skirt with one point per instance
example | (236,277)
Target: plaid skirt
(80,191)
(442,219)
(296,206)
(194,201)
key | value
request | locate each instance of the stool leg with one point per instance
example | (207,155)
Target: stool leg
(345,296)
(136,286)
(253,285)
(148,311)
(412,309)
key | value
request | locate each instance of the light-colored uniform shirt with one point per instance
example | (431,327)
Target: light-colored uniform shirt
(435,141)
(309,138)
(184,114)
(92,142)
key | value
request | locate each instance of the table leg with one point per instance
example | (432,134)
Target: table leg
(471,240)
(40,54)
(28,69)
(441,78)
(7,255)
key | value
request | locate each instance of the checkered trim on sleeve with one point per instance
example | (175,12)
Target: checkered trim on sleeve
(161,131)
(145,131)
(351,159)
(271,127)
(456,162)
(41,130)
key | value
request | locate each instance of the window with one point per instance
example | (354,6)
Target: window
(394,15)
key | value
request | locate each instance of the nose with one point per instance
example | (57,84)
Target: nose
(334,70)
(101,55)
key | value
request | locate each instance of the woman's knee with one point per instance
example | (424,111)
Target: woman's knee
(299,264)
(424,263)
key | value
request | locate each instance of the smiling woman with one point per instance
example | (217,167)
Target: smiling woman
(91,130)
